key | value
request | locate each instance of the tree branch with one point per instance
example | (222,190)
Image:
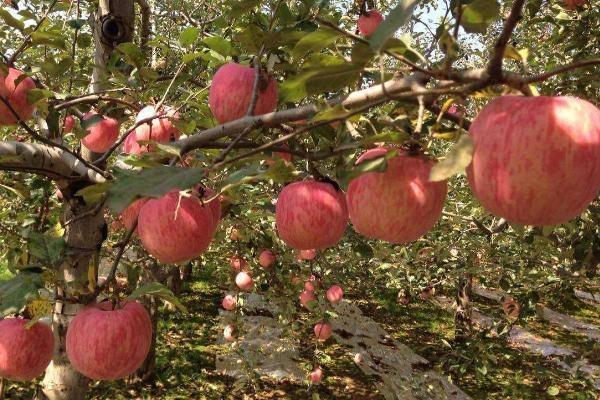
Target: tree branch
(495,65)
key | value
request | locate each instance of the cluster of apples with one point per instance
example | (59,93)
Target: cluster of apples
(104,342)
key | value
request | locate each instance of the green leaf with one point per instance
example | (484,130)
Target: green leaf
(187,58)
(15,292)
(77,23)
(158,290)
(93,194)
(50,39)
(457,159)
(377,164)
(314,42)
(46,248)
(387,137)
(479,14)
(314,81)
(36,95)
(395,19)
(218,44)
(188,36)
(151,182)
(18,189)
(329,113)
(11,21)
(131,53)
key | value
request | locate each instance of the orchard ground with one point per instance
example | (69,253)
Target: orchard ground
(485,368)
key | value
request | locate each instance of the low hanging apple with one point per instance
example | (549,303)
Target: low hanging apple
(266,258)
(229,302)
(231,93)
(15,91)
(306,255)
(101,135)
(536,160)
(316,375)
(106,344)
(68,124)
(311,215)
(399,205)
(322,331)
(334,294)
(160,130)
(130,214)
(368,22)
(176,228)
(244,281)
(306,297)
(25,352)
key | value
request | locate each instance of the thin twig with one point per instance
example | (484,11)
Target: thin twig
(560,70)
(113,270)
(495,65)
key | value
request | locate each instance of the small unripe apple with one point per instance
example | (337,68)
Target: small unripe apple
(16,94)
(24,352)
(244,281)
(306,297)
(399,205)
(311,215)
(229,333)
(68,124)
(368,22)
(323,331)
(106,344)
(160,130)
(229,302)
(536,160)
(102,135)
(266,258)
(316,375)
(238,263)
(334,294)
(307,254)
(231,93)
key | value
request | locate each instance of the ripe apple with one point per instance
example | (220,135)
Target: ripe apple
(175,228)
(358,358)
(231,92)
(280,154)
(306,254)
(229,302)
(229,333)
(322,331)
(160,130)
(16,96)
(102,135)
(105,343)
(399,205)
(130,214)
(316,375)
(306,297)
(536,160)
(244,281)
(311,215)
(24,352)
(368,22)
(68,124)
(266,258)
(573,4)
(238,263)
(334,294)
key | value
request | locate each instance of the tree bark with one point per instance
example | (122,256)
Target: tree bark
(462,317)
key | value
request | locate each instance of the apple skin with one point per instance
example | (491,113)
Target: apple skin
(107,344)
(24,353)
(229,333)
(322,330)
(17,97)
(68,124)
(306,254)
(358,358)
(229,302)
(102,135)
(316,375)
(231,92)
(536,160)
(160,130)
(311,215)
(130,214)
(306,297)
(175,229)
(399,205)
(334,294)
(244,281)
(266,258)
(368,23)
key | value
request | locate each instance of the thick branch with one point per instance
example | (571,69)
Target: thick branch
(45,160)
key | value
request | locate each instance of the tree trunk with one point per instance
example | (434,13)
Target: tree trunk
(462,317)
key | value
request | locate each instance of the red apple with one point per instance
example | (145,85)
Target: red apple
(24,353)
(368,22)
(160,130)
(536,160)
(316,375)
(238,263)
(229,302)
(68,124)
(399,205)
(175,228)
(322,330)
(231,92)
(16,95)
(306,297)
(334,294)
(130,214)
(229,333)
(102,135)
(266,258)
(573,4)
(105,343)
(311,215)
(306,254)
(244,281)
